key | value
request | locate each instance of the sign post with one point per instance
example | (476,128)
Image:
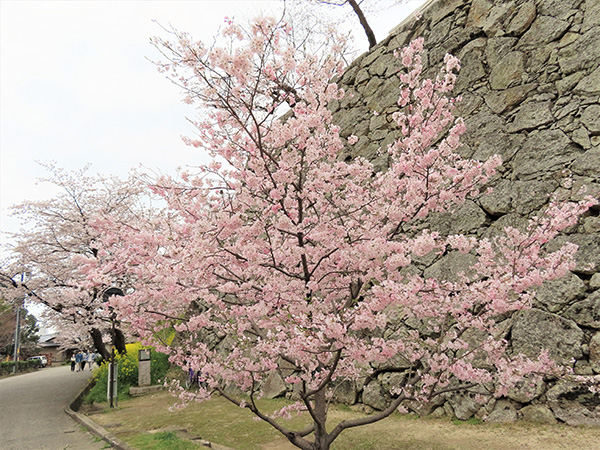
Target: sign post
(144,378)
(111,394)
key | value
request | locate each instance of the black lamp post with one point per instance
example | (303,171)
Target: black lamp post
(112,367)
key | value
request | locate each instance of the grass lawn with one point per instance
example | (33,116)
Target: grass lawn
(221,422)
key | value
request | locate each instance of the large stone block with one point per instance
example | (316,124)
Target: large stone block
(581,54)
(544,153)
(374,396)
(535,330)
(587,258)
(274,386)
(594,352)
(574,404)
(509,71)
(586,312)
(537,414)
(532,115)
(450,266)
(555,295)
(523,19)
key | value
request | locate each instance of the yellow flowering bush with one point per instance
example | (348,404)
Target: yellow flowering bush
(127,372)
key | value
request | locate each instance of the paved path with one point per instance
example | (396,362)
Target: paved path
(32,413)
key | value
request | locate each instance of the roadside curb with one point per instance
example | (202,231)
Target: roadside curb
(107,436)
(92,426)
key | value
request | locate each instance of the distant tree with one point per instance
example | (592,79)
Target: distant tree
(280,258)
(56,240)
(29,329)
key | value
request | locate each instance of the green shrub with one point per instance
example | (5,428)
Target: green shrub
(7,367)
(127,373)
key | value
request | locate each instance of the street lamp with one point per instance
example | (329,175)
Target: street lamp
(17,348)
(112,367)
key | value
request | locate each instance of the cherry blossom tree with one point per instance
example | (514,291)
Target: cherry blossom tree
(279,258)
(56,241)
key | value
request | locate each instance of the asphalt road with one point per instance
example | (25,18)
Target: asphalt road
(32,415)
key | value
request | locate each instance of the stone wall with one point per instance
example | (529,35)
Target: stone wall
(530,82)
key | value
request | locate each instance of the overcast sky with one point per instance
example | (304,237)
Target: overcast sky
(77,87)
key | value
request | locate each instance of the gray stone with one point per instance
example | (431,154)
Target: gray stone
(522,197)
(362,76)
(471,71)
(586,312)
(594,352)
(383,64)
(371,56)
(468,104)
(590,225)
(351,122)
(589,85)
(592,14)
(440,10)
(499,201)
(526,390)
(497,48)
(464,405)
(274,386)
(595,281)
(581,136)
(567,39)
(392,381)
(539,56)
(537,414)
(468,217)
(535,330)
(507,99)
(345,392)
(486,135)
(581,54)
(531,115)
(574,404)
(372,87)
(439,32)
(563,9)
(450,266)
(386,96)
(565,109)
(564,85)
(374,396)
(583,367)
(504,412)
(554,295)
(591,119)
(529,196)
(523,19)
(543,30)
(508,71)
(543,153)
(478,13)
(496,20)
(587,258)
(509,220)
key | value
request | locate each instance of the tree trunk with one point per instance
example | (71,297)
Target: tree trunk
(119,341)
(320,419)
(364,23)
(99,343)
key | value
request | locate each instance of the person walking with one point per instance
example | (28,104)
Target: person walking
(78,359)
(73,362)
(90,360)
(84,357)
